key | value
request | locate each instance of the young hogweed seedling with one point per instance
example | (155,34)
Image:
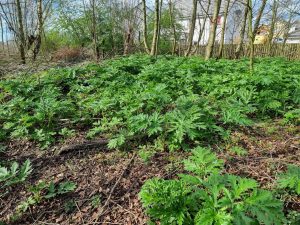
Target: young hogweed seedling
(15,174)
(42,191)
(203,162)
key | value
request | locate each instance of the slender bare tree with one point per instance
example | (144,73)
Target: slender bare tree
(192,28)
(221,46)
(204,17)
(156,29)
(2,34)
(173,25)
(288,10)
(145,27)
(40,29)
(159,25)
(272,26)
(242,31)
(212,32)
(21,32)
(94,30)
(128,14)
(253,30)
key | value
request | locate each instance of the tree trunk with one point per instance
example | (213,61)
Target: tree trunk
(159,27)
(259,15)
(212,32)
(2,35)
(272,27)
(38,43)
(21,32)
(145,27)
(128,40)
(252,32)
(223,30)
(242,32)
(192,28)
(251,36)
(7,44)
(202,27)
(172,22)
(94,32)
(156,30)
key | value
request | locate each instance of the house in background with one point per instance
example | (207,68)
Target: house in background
(233,24)
(262,34)
(294,34)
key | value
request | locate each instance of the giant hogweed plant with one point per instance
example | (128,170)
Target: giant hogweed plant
(206,197)
(179,100)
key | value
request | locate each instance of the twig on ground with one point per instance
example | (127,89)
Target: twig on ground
(84,146)
(81,216)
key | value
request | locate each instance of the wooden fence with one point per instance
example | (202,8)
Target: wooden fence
(289,51)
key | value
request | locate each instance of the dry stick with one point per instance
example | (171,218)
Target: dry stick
(126,210)
(107,223)
(112,190)
(83,146)
(44,223)
(81,216)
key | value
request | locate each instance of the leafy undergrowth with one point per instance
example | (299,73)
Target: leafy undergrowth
(269,148)
(162,108)
(174,102)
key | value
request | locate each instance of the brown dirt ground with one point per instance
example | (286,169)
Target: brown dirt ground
(270,148)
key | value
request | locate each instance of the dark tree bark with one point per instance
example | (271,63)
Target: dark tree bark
(128,40)
(22,41)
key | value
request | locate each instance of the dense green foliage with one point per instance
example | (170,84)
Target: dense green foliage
(291,179)
(205,197)
(177,102)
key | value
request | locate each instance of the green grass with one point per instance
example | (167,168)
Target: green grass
(178,102)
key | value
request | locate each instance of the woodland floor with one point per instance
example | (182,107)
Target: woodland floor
(8,66)
(270,147)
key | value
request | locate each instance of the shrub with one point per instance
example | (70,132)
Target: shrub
(68,54)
